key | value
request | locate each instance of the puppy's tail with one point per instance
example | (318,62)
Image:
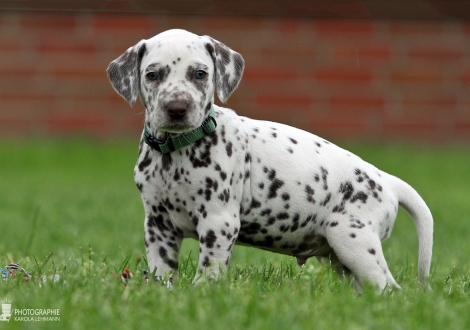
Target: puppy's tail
(412,202)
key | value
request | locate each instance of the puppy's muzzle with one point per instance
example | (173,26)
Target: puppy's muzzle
(177,110)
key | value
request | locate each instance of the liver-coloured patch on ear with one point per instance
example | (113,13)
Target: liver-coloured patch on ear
(228,66)
(124,72)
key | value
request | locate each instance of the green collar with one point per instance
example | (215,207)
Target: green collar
(171,144)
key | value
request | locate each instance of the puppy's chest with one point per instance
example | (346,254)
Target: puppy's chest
(165,185)
(161,171)
(184,178)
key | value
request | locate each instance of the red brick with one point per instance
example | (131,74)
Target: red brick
(436,54)
(11,61)
(122,23)
(465,78)
(117,5)
(264,73)
(344,28)
(331,128)
(193,7)
(251,90)
(10,46)
(417,75)
(466,27)
(286,101)
(297,115)
(282,60)
(91,83)
(462,129)
(343,74)
(75,61)
(304,50)
(237,23)
(16,127)
(417,128)
(337,78)
(24,72)
(49,21)
(357,102)
(185,22)
(364,120)
(362,55)
(354,95)
(333,9)
(131,127)
(245,8)
(84,72)
(289,26)
(114,99)
(399,27)
(22,110)
(76,124)
(21,96)
(72,46)
(431,104)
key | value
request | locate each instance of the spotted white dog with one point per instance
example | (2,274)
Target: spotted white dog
(206,173)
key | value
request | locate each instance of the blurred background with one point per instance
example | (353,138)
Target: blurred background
(356,69)
(387,79)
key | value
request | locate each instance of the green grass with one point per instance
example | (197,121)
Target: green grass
(76,198)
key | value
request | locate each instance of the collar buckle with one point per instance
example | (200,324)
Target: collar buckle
(205,126)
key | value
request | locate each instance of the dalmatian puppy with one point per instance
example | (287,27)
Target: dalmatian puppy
(206,173)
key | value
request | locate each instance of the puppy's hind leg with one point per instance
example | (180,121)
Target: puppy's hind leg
(344,273)
(359,249)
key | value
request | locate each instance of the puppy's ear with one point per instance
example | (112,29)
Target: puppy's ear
(228,66)
(124,72)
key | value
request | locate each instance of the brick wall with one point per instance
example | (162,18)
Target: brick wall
(381,79)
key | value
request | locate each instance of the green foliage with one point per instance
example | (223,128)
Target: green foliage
(77,199)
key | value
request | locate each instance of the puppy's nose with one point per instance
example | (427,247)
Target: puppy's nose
(176,109)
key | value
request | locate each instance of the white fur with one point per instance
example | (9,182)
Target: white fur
(255,182)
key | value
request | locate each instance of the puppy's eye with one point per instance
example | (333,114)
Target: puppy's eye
(199,74)
(152,76)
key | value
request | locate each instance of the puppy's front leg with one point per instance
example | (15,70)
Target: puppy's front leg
(163,246)
(217,236)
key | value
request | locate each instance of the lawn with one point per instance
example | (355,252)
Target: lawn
(76,199)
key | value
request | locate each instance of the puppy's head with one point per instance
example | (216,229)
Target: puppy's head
(176,74)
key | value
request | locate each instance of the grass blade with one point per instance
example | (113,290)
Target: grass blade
(33,230)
